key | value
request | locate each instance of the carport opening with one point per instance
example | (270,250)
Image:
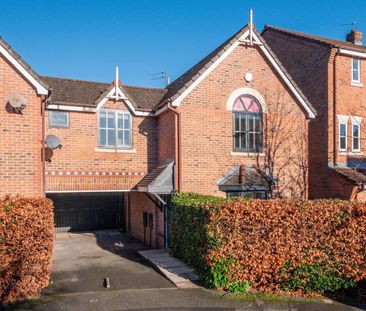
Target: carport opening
(88,211)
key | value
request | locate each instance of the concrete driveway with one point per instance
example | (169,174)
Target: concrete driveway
(82,261)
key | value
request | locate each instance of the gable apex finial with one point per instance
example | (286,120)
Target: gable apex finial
(116,83)
(251,26)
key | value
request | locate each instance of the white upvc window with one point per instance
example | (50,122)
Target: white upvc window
(356,70)
(355,137)
(356,133)
(115,129)
(342,136)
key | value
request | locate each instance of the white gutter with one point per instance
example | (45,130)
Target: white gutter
(352,53)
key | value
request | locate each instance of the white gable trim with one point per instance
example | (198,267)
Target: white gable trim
(287,81)
(41,90)
(178,100)
(256,41)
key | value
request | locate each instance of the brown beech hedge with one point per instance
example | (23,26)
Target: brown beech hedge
(297,247)
(26,243)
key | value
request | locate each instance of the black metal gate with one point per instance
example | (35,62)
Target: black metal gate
(87,211)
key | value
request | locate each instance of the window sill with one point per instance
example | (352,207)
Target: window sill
(247,154)
(350,153)
(357,84)
(114,150)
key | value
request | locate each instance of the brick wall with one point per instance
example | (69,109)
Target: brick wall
(21,136)
(166,127)
(350,101)
(78,165)
(138,203)
(310,65)
(207,126)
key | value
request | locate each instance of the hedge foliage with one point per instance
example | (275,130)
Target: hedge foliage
(26,244)
(301,247)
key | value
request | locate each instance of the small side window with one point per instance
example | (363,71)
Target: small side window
(355,137)
(356,70)
(59,119)
(343,136)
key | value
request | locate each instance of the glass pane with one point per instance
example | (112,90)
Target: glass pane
(127,138)
(355,69)
(355,130)
(102,138)
(343,143)
(238,106)
(355,144)
(257,139)
(120,138)
(254,106)
(342,130)
(127,120)
(59,118)
(251,124)
(120,121)
(237,141)
(102,119)
(243,123)
(243,143)
(257,127)
(111,138)
(236,122)
(250,141)
(246,101)
(110,120)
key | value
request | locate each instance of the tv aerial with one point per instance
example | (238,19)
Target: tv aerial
(53,142)
(17,102)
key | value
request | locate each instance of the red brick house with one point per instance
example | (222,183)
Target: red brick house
(235,124)
(331,74)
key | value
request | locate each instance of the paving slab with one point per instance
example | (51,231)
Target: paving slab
(172,268)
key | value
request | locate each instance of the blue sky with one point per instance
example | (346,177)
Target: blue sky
(85,39)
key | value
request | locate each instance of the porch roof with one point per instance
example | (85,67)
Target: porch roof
(351,174)
(159,181)
(247,178)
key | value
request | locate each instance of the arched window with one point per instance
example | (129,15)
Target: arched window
(247,124)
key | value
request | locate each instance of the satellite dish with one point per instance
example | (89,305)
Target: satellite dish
(17,101)
(53,142)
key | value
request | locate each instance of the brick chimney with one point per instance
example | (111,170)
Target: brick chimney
(354,37)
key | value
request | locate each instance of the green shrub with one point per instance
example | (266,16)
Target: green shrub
(191,230)
(313,278)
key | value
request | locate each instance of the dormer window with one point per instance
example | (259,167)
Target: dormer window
(356,70)
(115,129)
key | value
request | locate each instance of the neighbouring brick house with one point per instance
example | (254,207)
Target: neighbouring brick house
(331,74)
(235,124)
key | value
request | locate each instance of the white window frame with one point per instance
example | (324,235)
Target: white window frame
(339,134)
(356,121)
(116,146)
(51,125)
(358,70)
